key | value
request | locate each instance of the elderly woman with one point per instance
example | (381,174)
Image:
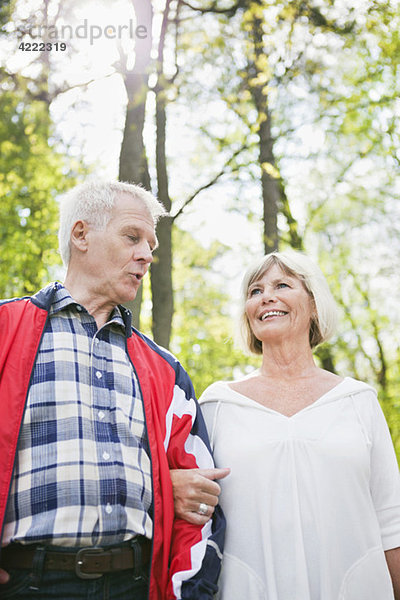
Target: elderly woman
(313,499)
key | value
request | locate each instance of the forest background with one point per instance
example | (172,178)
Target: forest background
(260,124)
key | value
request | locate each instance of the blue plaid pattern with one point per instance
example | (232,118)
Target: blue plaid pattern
(83,472)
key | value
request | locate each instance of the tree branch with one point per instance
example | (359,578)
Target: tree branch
(214,180)
(62,90)
(381,373)
(213,8)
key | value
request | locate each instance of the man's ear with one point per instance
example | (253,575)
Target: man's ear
(79,236)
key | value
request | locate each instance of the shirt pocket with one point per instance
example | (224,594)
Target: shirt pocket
(239,581)
(368,578)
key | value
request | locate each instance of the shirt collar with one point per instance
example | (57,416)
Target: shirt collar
(62,299)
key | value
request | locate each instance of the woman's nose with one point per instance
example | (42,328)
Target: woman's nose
(268,294)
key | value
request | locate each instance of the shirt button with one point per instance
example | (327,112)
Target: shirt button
(101,415)
(96,340)
(108,509)
(79,308)
(98,375)
(106,456)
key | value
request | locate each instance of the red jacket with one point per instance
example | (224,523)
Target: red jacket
(185,558)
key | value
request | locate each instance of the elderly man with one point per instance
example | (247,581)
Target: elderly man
(93,417)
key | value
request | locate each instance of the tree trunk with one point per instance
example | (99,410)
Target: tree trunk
(161,269)
(269,183)
(132,160)
(273,191)
(269,175)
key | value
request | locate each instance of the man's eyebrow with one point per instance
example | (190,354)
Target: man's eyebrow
(130,228)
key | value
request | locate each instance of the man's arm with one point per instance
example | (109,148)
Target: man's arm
(393,561)
(192,487)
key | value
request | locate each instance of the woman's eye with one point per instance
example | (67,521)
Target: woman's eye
(282,285)
(255,291)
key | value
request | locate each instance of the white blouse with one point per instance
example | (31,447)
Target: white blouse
(312,501)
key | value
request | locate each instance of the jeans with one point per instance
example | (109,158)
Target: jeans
(66,585)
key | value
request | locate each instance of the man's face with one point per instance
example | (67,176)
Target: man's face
(121,254)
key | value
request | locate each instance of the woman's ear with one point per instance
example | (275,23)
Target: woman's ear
(314,312)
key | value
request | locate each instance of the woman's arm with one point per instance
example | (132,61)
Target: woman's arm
(393,561)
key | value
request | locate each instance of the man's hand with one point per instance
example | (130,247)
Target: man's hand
(195,487)
(4,576)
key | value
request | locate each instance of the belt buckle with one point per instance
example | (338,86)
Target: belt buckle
(79,563)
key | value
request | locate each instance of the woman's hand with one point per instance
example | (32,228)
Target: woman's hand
(196,493)
(4,576)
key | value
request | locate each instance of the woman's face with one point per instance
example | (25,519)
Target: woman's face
(279,308)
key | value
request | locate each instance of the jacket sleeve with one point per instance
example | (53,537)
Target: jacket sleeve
(196,551)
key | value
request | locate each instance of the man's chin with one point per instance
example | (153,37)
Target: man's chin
(130,295)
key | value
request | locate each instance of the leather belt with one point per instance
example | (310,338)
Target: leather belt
(88,563)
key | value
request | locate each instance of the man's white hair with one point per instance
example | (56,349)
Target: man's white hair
(93,202)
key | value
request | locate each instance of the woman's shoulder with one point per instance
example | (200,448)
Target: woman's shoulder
(214,391)
(356,386)
(348,384)
(224,389)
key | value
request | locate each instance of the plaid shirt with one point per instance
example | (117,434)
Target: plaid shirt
(83,472)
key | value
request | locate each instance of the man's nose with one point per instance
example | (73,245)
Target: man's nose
(144,253)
